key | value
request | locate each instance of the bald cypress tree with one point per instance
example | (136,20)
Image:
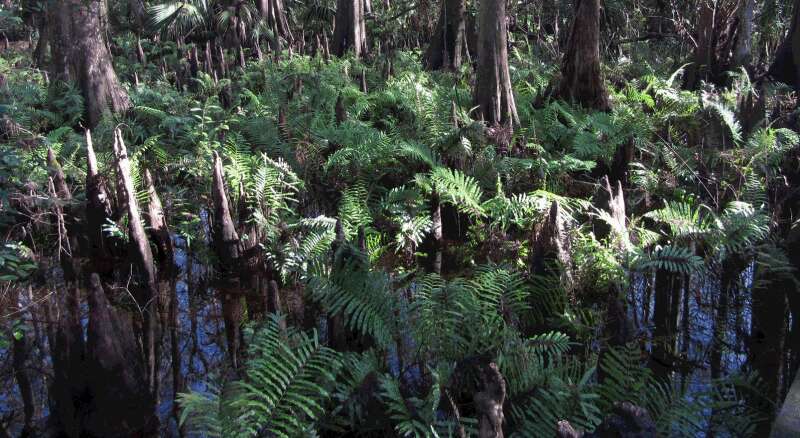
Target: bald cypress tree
(493,93)
(447,44)
(581,80)
(786,67)
(81,55)
(350,30)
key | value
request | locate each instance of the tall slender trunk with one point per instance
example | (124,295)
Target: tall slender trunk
(227,247)
(581,79)
(273,11)
(20,353)
(667,294)
(786,66)
(742,50)
(142,265)
(447,45)
(350,31)
(493,93)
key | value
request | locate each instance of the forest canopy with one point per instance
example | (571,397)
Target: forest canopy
(409,218)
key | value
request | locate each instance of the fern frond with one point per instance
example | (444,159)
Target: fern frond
(362,298)
(459,189)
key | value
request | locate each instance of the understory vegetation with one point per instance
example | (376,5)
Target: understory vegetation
(377,257)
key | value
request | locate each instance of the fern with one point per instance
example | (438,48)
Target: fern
(203,413)
(459,189)
(685,222)
(289,378)
(672,259)
(412,417)
(353,209)
(411,230)
(362,298)
(726,115)
(439,309)
(741,226)
(501,290)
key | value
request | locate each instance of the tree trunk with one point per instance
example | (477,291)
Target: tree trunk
(767,336)
(80,53)
(146,292)
(447,44)
(24,383)
(703,52)
(581,80)
(58,13)
(667,294)
(137,14)
(489,403)
(742,50)
(274,14)
(227,248)
(786,67)
(117,405)
(350,30)
(493,93)
(43,44)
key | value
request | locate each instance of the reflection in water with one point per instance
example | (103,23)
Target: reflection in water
(709,335)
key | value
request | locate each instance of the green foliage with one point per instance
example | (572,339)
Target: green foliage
(702,186)
(289,379)
(363,298)
(412,417)
(459,189)
(672,259)
(16,264)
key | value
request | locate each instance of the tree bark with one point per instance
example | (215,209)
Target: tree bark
(493,93)
(447,44)
(489,403)
(786,67)
(58,14)
(43,44)
(80,54)
(581,80)
(703,53)
(742,50)
(273,12)
(350,31)
(102,249)
(227,248)
(146,292)
(118,406)
(20,354)
(667,294)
